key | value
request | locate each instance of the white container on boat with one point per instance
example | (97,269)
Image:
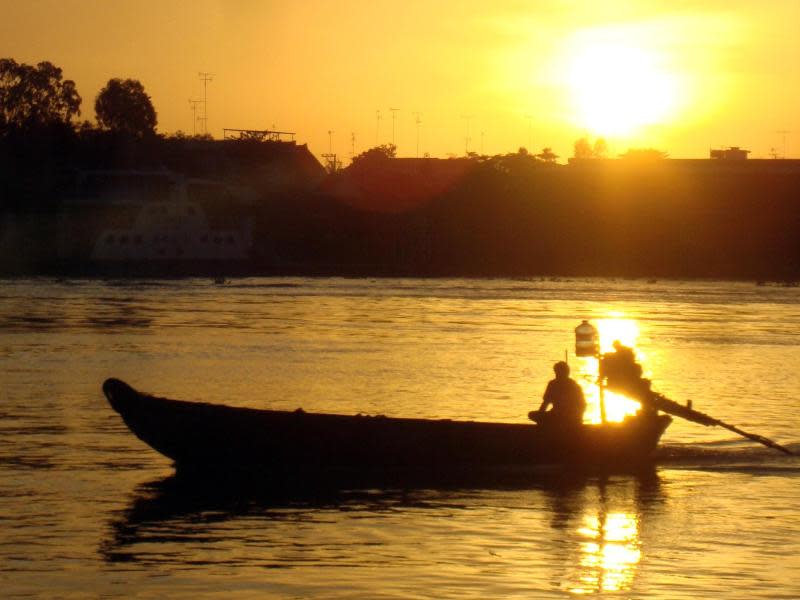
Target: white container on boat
(587,341)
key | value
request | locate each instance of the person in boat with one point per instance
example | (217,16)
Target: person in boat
(566,398)
(623,374)
(619,368)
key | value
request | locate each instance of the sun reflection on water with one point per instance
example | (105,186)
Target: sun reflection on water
(609,555)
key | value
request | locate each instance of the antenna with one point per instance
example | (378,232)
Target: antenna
(193,106)
(352,144)
(377,126)
(784,133)
(333,163)
(467,139)
(394,116)
(530,125)
(205,78)
(417,120)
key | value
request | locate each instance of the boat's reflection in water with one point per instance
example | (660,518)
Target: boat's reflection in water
(600,524)
(576,533)
(610,553)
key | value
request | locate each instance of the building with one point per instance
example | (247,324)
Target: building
(731,153)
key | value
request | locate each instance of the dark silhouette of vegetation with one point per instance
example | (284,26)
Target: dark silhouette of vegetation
(600,148)
(378,154)
(123,106)
(547,155)
(515,214)
(583,148)
(35,97)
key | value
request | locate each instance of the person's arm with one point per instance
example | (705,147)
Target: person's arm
(547,399)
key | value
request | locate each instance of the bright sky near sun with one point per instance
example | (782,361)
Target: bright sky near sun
(680,76)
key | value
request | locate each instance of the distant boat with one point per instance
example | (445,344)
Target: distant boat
(157,221)
(201,437)
(171,231)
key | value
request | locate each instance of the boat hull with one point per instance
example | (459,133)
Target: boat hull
(201,436)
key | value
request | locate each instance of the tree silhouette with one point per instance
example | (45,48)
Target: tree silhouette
(582,148)
(600,148)
(547,155)
(124,107)
(32,97)
(375,155)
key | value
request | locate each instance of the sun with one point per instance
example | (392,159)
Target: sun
(618,89)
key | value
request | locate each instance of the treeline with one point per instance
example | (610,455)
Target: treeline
(512,215)
(42,138)
(657,219)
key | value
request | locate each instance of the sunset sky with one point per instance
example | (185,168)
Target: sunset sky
(681,76)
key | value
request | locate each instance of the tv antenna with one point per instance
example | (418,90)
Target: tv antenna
(352,144)
(333,163)
(205,77)
(784,133)
(530,127)
(467,139)
(417,121)
(193,106)
(394,116)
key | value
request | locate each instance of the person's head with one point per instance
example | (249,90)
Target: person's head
(561,369)
(617,344)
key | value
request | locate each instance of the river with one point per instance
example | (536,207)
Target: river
(87,510)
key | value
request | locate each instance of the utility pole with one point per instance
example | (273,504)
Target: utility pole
(377,127)
(467,139)
(417,120)
(394,116)
(352,144)
(529,147)
(483,133)
(784,133)
(333,163)
(193,106)
(205,78)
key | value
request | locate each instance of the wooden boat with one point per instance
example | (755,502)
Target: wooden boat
(206,437)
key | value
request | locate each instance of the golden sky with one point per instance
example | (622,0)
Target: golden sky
(679,75)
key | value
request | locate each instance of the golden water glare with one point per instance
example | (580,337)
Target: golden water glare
(616,326)
(609,554)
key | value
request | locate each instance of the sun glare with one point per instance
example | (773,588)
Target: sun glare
(615,327)
(619,89)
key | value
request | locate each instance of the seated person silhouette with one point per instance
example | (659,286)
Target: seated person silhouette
(623,374)
(566,398)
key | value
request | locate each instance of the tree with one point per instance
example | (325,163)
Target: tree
(34,97)
(582,148)
(375,155)
(124,107)
(585,149)
(547,155)
(600,148)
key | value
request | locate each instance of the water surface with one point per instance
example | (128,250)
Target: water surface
(85,506)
